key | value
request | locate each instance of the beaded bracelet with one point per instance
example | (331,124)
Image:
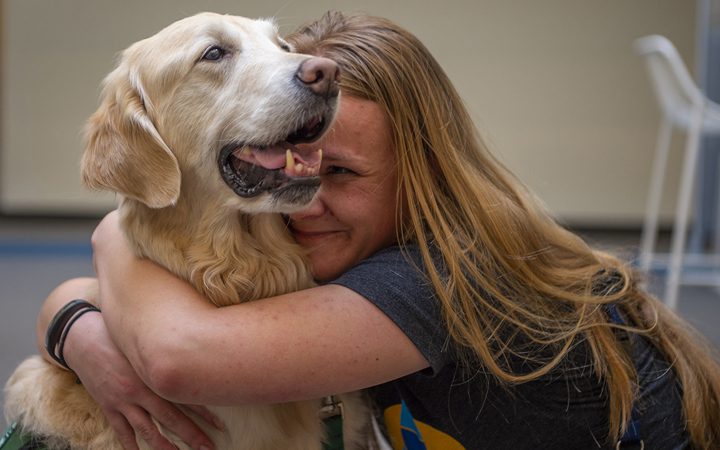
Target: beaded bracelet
(60,325)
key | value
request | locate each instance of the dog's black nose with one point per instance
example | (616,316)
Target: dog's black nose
(320,75)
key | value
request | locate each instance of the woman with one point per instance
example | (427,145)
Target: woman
(482,323)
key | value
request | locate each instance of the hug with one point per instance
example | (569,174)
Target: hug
(313,232)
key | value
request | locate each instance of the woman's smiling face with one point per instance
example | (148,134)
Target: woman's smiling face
(355,213)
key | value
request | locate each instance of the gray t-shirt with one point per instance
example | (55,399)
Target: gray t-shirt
(448,407)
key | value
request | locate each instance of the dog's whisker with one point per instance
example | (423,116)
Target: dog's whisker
(275,16)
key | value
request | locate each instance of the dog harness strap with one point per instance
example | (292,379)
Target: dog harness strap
(610,282)
(631,438)
(14,439)
(332,415)
(334,434)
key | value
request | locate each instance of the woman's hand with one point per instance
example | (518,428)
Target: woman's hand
(114,383)
(108,375)
(126,400)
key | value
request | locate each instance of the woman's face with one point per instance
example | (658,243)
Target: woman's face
(354,213)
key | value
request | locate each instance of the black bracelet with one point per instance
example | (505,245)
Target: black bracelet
(60,325)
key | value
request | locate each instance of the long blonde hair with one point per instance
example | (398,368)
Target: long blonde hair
(510,273)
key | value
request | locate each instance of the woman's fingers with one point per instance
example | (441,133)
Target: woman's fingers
(124,430)
(144,427)
(138,421)
(207,416)
(179,423)
(128,403)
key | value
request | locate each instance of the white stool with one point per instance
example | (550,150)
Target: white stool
(683,106)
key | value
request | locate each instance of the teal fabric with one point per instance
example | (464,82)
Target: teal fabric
(14,439)
(334,434)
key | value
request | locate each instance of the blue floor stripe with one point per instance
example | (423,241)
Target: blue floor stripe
(45,248)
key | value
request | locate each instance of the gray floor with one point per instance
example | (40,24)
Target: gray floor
(38,254)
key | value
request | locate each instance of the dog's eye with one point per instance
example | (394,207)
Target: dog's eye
(284,46)
(213,54)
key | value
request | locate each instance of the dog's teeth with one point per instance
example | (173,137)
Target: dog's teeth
(246,150)
(299,168)
(290,161)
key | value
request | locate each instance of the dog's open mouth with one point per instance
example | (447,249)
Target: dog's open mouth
(251,170)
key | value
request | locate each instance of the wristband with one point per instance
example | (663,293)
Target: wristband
(60,325)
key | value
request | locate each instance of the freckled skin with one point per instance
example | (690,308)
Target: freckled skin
(354,214)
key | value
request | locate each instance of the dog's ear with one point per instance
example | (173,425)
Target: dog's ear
(124,151)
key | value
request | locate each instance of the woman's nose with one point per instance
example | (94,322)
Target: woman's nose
(314,210)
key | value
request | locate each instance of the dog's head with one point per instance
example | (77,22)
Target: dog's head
(218,101)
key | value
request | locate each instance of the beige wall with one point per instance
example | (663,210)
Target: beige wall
(554,85)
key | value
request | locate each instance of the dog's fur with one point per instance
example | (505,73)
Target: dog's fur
(168,112)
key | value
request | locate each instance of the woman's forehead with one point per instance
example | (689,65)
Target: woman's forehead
(357,153)
(360,132)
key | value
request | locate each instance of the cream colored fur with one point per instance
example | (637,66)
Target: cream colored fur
(155,139)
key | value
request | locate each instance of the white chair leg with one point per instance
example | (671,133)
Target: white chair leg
(716,236)
(679,233)
(652,209)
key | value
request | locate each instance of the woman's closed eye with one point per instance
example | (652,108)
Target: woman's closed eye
(338,170)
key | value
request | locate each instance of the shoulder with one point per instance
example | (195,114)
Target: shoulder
(393,277)
(393,263)
(395,281)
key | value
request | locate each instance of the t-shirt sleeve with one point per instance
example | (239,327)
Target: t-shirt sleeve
(402,291)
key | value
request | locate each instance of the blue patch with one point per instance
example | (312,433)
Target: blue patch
(410,433)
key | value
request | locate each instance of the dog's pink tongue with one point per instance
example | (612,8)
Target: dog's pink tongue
(282,154)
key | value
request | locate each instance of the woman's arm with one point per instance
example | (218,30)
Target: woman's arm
(59,297)
(297,346)
(110,379)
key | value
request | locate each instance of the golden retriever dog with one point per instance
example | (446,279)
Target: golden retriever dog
(196,131)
